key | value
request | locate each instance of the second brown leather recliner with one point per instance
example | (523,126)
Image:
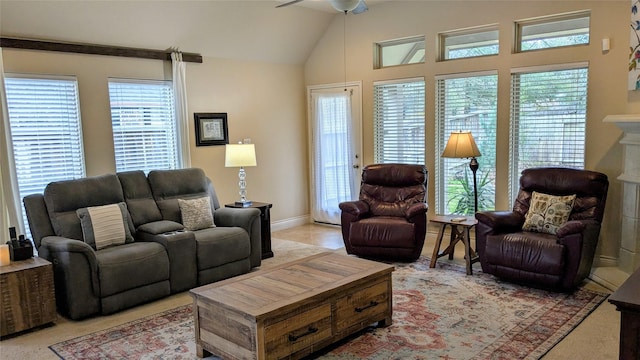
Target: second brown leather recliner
(389,220)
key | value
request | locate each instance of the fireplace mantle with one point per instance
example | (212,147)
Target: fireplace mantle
(629,255)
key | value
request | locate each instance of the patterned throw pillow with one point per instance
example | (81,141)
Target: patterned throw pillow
(196,213)
(104,226)
(548,212)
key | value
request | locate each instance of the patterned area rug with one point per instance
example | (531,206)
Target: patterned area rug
(438,313)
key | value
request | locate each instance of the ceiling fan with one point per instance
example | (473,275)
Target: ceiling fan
(355,6)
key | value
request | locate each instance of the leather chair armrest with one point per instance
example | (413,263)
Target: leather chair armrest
(56,249)
(501,221)
(571,227)
(356,208)
(416,210)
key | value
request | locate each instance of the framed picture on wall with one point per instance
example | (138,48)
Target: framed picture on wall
(211,129)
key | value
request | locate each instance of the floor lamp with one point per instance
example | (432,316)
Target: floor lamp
(462,145)
(241,155)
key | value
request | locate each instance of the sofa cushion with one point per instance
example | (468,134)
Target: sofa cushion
(548,212)
(170,185)
(221,245)
(383,231)
(106,225)
(196,213)
(526,252)
(148,261)
(138,196)
(63,198)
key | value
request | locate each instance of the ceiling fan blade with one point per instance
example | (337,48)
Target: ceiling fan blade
(289,3)
(362,7)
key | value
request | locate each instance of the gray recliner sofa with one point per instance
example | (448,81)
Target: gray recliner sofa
(160,258)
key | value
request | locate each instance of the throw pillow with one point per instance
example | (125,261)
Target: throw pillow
(548,212)
(196,213)
(104,226)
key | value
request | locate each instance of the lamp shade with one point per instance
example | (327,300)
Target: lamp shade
(344,5)
(461,145)
(240,155)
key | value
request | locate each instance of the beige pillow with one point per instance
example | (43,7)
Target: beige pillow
(548,212)
(196,213)
(104,226)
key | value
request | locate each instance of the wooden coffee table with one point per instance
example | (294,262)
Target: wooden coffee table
(291,310)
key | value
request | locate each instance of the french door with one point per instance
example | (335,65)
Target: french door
(335,148)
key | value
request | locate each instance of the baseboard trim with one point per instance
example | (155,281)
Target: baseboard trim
(289,223)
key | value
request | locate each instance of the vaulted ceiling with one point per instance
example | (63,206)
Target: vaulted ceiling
(252,30)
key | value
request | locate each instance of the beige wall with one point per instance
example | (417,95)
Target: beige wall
(264,102)
(607,74)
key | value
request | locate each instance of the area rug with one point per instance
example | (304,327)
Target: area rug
(439,313)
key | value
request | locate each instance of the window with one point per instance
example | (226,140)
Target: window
(399,121)
(548,117)
(469,43)
(45,131)
(553,31)
(144,127)
(399,52)
(467,103)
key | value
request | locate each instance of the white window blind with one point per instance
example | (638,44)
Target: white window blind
(144,126)
(466,103)
(399,121)
(45,131)
(548,116)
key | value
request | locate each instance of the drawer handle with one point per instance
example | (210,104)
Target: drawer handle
(371,304)
(309,331)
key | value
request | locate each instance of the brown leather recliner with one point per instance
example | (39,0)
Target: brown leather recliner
(558,262)
(389,220)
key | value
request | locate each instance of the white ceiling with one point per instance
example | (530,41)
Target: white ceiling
(252,30)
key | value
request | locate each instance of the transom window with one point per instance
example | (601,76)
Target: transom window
(553,31)
(399,52)
(481,41)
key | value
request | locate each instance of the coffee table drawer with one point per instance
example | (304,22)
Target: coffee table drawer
(298,332)
(362,305)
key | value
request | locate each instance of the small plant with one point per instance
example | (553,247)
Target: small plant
(461,186)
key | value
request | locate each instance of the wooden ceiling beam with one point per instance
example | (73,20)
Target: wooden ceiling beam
(15,43)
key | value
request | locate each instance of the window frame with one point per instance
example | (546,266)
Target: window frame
(442,137)
(514,120)
(478,30)
(378,137)
(174,158)
(555,18)
(378,50)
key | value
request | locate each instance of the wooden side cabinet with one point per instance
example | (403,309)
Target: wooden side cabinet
(265,223)
(627,301)
(27,294)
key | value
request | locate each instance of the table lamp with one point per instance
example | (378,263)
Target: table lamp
(241,155)
(462,145)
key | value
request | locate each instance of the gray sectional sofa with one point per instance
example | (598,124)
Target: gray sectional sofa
(146,251)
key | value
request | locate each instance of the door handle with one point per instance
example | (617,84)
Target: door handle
(356,166)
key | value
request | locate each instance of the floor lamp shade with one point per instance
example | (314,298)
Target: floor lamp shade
(241,155)
(462,145)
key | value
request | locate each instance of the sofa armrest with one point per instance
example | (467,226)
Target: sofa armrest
(76,278)
(249,220)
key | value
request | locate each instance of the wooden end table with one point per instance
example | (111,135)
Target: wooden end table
(265,223)
(459,232)
(627,301)
(28,295)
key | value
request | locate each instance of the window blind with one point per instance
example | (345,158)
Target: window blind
(466,103)
(45,131)
(399,121)
(144,126)
(548,117)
